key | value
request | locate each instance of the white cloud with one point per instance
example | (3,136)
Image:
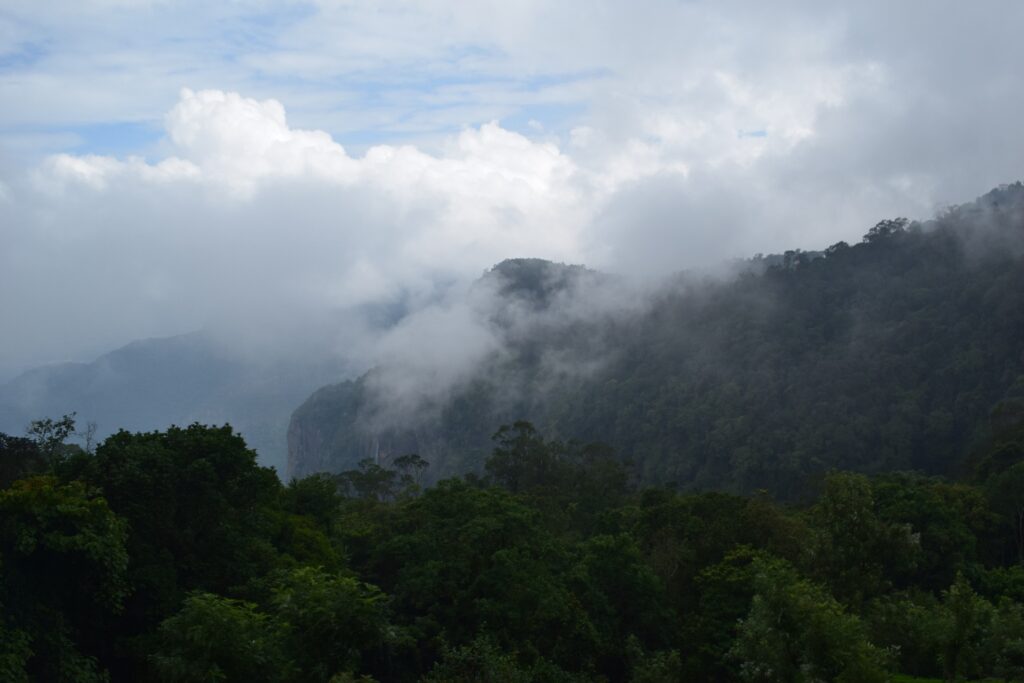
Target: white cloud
(248,218)
(618,134)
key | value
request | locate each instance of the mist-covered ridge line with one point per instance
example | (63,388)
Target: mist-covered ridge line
(886,354)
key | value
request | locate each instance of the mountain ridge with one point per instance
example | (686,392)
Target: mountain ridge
(149,384)
(887,354)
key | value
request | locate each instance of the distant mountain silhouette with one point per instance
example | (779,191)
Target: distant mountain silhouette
(153,383)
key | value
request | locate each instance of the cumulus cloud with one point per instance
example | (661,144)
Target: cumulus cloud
(249,219)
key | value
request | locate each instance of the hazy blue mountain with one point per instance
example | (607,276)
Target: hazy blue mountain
(153,383)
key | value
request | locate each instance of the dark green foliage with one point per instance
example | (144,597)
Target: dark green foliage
(951,523)
(796,633)
(460,560)
(723,593)
(316,626)
(315,496)
(480,661)
(858,554)
(214,638)
(411,467)
(62,576)
(370,481)
(1005,492)
(623,598)
(330,623)
(909,622)
(654,667)
(15,653)
(522,461)
(551,569)
(201,516)
(19,458)
(1004,652)
(196,505)
(577,482)
(963,620)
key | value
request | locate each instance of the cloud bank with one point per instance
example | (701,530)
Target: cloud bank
(424,142)
(254,222)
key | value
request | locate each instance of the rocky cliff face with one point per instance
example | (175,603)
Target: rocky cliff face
(312,433)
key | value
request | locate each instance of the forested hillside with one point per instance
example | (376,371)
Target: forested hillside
(890,354)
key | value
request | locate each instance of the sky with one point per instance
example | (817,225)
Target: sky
(168,166)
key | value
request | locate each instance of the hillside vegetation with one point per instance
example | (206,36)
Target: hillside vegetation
(890,354)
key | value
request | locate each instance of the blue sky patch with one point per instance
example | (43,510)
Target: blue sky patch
(26,55)
(554,117)
(117,139)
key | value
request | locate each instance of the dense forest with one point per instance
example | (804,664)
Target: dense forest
(890,354)
(173,556)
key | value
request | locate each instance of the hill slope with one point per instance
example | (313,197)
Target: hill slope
(889,354)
